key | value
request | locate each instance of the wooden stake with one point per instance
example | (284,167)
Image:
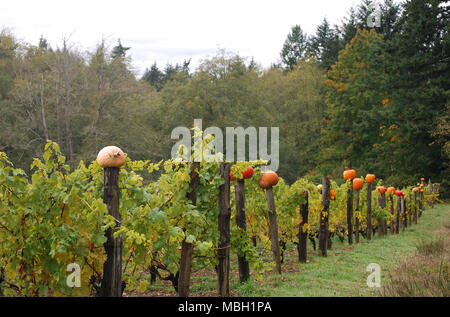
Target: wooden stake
(415,208)
(187,249)
(111,285)
(392,226)
(369,211)
(399,207)
(223,254)
(273,229)
(303,235)
(356,217)
(323,230)
(239,189)
(350,213)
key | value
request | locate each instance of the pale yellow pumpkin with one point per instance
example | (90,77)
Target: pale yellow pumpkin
(111,156)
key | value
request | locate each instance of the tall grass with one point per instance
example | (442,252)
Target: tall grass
(426,274)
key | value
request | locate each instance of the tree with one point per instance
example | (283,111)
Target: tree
(325,44)
(119,50)
(390,13)
(154,76)
(418,59)
(355,100)
(294,47)
(348,28)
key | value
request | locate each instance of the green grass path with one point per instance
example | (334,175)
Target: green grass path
(343,272)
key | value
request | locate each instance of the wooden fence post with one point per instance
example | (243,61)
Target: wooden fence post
(356,218)
(223,253)
(350,213)
(421,199)
(431,189)
(239,190)
(323,231)
(404,218)
(409,208)
(415,208)
(187,249)
(303,234)
(382,225)
(392,225)
(111,285)
(399,207)
(273,229)
(369,211)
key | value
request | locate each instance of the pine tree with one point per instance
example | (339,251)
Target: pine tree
(390,13)
(349,27)
(418,58)
(325,44)
(295,47)
(119,51)
(154,76)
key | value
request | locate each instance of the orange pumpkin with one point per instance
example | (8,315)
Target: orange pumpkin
(349,174)
(248,173)
(268,179)
(381,189)
(390,190)
(111,156)
(370,178)
(332,194)
(422,179)
(415,190)
(357,183)
(421,190)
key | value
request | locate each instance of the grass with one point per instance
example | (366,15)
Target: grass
(422,248)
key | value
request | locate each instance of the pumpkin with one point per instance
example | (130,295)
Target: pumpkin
(381,189)
(422,179)
(421,190)
(332,194)
(390,190)
(398,193)
(349,174)
(415,190)
(357,183)
(248,173)
(111,156)
(268,179)
(370,178)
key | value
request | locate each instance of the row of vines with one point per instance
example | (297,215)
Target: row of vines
(57,216)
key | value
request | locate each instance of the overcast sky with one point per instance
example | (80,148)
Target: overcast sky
(171,30)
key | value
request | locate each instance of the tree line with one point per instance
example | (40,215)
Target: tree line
(373,98)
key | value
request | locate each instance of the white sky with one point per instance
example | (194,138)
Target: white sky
(169,31)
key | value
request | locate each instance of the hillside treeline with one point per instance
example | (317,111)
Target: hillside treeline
(371,98)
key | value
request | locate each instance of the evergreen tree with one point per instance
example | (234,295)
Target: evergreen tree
(419,81)
(119,50)
(295,47)
(390,13)
(325,44)
(349,27)
(154,76)
(355,101)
